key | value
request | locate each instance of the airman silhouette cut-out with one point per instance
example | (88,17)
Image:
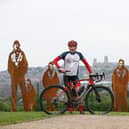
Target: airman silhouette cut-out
(17,68)
(120,78)
(30,95)
(50,77)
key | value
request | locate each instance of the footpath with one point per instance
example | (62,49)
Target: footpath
(75,122)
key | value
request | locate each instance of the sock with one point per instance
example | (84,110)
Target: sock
(81,108)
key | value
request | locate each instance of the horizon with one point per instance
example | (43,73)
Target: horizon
(109,62)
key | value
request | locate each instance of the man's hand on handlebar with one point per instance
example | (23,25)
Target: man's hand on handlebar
(91,74)
(62,70)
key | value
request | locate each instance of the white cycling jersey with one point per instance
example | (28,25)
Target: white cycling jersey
(71,62)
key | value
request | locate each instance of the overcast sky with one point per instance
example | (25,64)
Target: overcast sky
(43,27)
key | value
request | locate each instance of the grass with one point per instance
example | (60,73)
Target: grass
(118,114)
(18,117)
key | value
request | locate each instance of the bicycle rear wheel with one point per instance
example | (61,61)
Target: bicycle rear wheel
(100,102)
(54,99)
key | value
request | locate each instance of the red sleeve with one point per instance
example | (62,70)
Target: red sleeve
(87,65)
(55,61)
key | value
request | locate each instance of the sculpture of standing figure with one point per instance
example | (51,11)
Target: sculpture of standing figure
(50,77)
(17,68)
(30,95)
(120,79)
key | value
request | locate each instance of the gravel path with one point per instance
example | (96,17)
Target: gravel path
(75,122)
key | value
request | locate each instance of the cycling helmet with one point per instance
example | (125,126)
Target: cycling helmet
(72,43)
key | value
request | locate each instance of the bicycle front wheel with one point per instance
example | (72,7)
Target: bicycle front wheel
(99,100)
(54,99)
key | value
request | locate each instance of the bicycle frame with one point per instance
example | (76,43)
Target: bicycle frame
(86,90)
(91,84)
(83,94)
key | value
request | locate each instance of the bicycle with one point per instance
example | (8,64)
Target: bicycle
(97,99)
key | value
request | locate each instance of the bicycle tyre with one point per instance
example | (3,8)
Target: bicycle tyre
(102,105)
(53,103)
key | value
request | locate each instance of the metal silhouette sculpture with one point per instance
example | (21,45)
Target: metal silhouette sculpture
(120,78)
(17,68)
(30,95)
(50,77)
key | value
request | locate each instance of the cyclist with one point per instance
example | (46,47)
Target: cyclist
(71,63)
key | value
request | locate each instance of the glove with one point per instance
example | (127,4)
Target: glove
(91,74)
(62,70)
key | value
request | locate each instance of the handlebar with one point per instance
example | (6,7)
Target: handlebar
(64,72)
(97,77)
